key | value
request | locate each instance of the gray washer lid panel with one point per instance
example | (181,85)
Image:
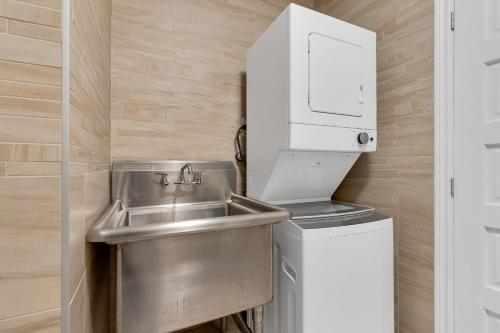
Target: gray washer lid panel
(340,221)
(324,209)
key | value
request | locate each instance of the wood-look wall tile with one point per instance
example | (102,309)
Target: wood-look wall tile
(21,72)
(80,138)
(416,202)
(268,10)
(418,238)
(30,13)
(183,97)
(364,172)
(97,194)
(416,254)
(41,322)
(28,292)
(30,201)
(30,152)
(29,130)
(27,29)
(15,106)
(416,310)
(76,168)
(29,90)
(373,192)
(54,4)
(3,24)
(90,67)
(30,233)
(375,15)
(33,168)
(29,50)
(103,154)
(80,155)
(29,245)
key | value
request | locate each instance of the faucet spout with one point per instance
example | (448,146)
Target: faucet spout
(187,166)
(182,175)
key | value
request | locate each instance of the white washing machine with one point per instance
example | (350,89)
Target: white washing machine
(333,271)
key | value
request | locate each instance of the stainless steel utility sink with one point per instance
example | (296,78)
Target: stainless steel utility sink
(189,250)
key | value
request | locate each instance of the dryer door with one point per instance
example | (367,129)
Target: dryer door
(336,76)
(332,73)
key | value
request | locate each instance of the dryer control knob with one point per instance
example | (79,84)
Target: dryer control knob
(363,138)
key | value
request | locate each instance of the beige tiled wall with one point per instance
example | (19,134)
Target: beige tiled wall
(398,178)
(90,145)
(30,112)
(178,75)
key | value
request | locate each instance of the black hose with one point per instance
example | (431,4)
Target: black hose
(240,154)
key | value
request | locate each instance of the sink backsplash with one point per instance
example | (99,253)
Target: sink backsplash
(138,183)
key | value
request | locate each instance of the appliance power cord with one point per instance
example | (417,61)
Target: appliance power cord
(240,154)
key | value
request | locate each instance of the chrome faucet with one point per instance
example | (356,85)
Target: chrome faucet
(195,178)
(182,176)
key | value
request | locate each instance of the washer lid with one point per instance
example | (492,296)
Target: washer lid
(319,209)
(340,221)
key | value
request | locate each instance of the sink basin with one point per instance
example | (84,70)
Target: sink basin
(186,253)
(145,216)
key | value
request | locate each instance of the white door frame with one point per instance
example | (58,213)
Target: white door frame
(443,167)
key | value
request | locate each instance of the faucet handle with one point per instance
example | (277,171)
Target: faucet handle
(196,180)
(164,180)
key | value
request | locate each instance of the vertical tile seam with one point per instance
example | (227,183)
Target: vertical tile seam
(65,103)
(398,293)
